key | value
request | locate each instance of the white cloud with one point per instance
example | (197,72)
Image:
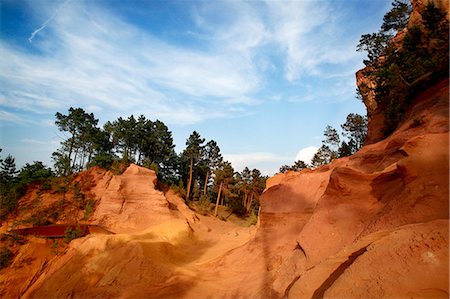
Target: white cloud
(306,154)
(39,142)
(12,117)
(95,60)
(267,163)
(309,34)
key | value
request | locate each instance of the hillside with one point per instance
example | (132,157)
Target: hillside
(359,221)
(371,225)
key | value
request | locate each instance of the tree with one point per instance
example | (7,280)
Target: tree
(331,137)
(258,185)
(211,160)
(374,44)
(297,166)
(355,128)
(324,155)
(434,20)
(81,126)
(36,172)
(8,167)
(223,178)
(10,188)
(345,149)
(192,153)
(397,18)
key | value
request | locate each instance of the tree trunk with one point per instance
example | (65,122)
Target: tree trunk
(249,204)
(190,179)
(217,200)
(244,200)
(75,159)
(206,183)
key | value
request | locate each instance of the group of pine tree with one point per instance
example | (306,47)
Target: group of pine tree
(198,173)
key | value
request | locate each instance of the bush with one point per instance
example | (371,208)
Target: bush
(103,160)
(119,167)
(253,218)
(204,205)
(179,189)
(78,196)
(88,209)
(6,257)
(36,172)
(38,219)
(71,233)
(238,208)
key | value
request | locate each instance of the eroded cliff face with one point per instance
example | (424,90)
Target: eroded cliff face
(366,84)
(382,211)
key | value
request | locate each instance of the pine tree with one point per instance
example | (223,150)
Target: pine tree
(192,153)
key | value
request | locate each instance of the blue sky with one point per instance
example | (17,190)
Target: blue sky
(262,78)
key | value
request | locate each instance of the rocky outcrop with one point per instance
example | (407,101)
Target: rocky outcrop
(366,83)
(352,218)
(130,202)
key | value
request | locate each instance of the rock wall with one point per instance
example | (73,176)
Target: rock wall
(351,220)
(366,84)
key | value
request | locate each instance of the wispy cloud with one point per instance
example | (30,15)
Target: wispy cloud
(97,60)
(33,34)
(39,142)
(15,118)
(91,57)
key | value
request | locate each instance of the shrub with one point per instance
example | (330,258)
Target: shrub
(71,233)
(204,205)
(103,160)
(238,208)
(6,257)
(253,218)
(88,209)
(119,167)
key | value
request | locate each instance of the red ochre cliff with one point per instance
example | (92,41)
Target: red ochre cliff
(371,225)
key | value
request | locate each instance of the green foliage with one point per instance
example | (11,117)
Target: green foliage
(204,205)
(55,247)
(324,155)
(297,166)
(11,188)
(397,18)
(118,167)
(355,128)
(253,218)
(103,160)
(89,208)
(153,166)
(421,61)
(6,257)
(78,196)
(433,20)
(38,219)
(36,172)
(238,208)
(179,189)
(374,44)
(85,138)
(61,163)
(70,233)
